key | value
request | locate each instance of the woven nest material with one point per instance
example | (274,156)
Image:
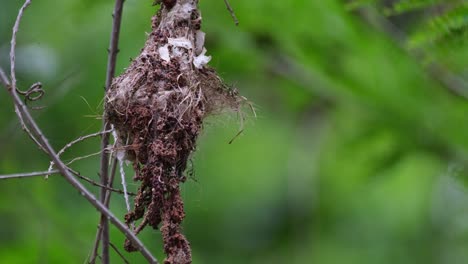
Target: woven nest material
(157,107)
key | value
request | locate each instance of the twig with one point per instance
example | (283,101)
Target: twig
(26,129)
(111,181)
(42,140)
(35,92)
(104,171)
(104,174)
(70,144)
(109,188)
(49,172)
(27,175)
(82,139)
(120,254)
(75,183)
(97,240)
(13,43)
(4,78)
(231,11)
(85,157)
(142,225)
(12,85)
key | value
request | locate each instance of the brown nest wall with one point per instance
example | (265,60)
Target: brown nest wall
(157,107)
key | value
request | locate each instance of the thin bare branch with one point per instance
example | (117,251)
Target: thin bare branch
(111,181)
(109,188)
(94,251)
(82,139)
(12,83)
(85,157)
(42,141)
(231,11)
(74,182)
(13,43)
(35,92)
(4,78)
(97,240)
(27,174)
(43,173)
(71,143)
(104,171)
(120,254)
(26,129)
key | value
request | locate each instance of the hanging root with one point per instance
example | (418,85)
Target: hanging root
(158,106)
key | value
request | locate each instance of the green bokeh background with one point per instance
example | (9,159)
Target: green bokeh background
(357,155)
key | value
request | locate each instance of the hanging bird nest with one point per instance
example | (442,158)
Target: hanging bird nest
(157,107)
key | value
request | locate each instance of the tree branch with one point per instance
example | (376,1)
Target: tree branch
(109,188)
(13,43)
(27,174)
(12,85)
(104,172)
(71,143)
(4,78)
(49,172)
(120,254)
(42,141)
(97,240)
(74,182)
(231,11)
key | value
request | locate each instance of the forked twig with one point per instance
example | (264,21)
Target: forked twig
(85,157)
(71,143)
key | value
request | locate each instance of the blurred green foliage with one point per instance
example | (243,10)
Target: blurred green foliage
(357,155)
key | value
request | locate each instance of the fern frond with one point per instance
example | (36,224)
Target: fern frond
(403,6)
(451,24)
